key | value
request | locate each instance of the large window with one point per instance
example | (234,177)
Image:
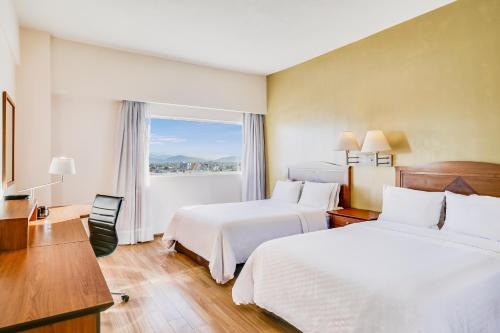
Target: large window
(194,147)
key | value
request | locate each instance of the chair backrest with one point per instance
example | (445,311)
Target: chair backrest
(102,224)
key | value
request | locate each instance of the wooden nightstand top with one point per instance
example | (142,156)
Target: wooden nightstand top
(360,214)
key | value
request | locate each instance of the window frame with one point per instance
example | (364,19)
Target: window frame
(200,174)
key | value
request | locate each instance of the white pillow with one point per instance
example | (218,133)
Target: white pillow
(335,198)
(287,191)
(474,215)
(318,195)
(417,208)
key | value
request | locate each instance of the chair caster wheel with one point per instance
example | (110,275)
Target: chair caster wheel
(125,298)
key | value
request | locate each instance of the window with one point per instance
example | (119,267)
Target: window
(194,147)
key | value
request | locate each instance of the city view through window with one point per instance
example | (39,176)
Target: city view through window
(194,147)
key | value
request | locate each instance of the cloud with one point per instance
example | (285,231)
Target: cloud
(157,139)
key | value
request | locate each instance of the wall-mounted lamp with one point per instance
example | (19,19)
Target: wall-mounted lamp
(59,166)
(347,142)
(376,142)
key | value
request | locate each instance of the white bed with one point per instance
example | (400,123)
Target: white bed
(225,235)
(377,277)
(384,276)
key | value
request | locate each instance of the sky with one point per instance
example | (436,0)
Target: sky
(209,140)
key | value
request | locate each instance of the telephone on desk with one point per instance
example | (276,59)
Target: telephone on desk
(42,212)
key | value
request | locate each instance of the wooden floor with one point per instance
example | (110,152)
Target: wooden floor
(170,293)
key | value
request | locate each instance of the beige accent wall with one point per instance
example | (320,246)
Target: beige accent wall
(431,83)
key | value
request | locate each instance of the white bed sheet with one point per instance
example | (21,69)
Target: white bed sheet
(377,277)
(226,234)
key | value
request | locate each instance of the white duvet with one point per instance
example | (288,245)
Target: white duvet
(377,277)
(226,234)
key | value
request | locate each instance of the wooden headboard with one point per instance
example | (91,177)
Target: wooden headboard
(325,172)
(459,177)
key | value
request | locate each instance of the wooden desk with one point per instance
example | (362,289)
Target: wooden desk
(14,217)
(54,285)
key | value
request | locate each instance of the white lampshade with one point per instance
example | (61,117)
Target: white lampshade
(375,141)
(62,166)
(346,141)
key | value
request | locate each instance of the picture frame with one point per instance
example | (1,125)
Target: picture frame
(8,135)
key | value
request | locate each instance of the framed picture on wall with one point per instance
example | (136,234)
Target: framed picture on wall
(8,121)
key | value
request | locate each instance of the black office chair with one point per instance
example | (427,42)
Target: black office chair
(102,228)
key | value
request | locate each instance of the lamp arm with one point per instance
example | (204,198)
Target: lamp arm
(349,158)
(44,185)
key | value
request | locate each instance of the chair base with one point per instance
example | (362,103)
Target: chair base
(123,296)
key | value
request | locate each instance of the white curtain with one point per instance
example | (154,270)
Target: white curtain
(132,172)
(253,166)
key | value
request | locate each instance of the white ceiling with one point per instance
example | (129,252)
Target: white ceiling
(256,36)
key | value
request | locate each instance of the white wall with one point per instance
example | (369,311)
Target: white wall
(33,114)
(84,129)
(180,112)
(168,193)
(86,85)
(85,70)
(9,47)
(9,55)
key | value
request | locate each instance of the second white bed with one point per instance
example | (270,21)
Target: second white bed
(377,277)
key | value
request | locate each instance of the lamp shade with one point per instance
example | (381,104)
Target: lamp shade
(346,141)
(62,166)
(375,141)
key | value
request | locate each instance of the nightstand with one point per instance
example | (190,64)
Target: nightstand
(343,217)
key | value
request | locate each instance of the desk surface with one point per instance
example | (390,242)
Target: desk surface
(57,277)
(16,209)
(64,213)
(57,233)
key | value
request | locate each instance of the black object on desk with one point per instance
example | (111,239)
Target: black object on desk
(42,212)
(17,197)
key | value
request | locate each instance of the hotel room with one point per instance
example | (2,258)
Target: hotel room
(250,166)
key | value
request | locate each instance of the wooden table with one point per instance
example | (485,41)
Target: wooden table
(346,216)
(54,285)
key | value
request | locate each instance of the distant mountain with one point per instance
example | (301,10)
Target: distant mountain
(183,158)
(160,158)
(228,159)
